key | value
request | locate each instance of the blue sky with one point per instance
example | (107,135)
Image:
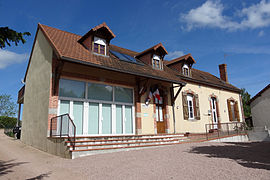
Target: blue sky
(206,29)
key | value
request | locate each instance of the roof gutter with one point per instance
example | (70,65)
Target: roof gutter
(122,71)
(210,84)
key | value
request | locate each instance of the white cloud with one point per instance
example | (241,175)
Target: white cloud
(175,54)
(8,57)
(256,16)
(211,14)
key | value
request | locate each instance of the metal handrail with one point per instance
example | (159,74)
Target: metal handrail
(62,133)
(230,128)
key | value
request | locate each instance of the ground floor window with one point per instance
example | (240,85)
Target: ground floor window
(104,109)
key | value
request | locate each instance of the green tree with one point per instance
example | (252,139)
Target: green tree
(7,106)
(245,99)
(8,35)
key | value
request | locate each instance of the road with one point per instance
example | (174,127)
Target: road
(183,161)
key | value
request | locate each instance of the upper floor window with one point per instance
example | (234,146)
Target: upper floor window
(156,62)
(99,46)
(185,70)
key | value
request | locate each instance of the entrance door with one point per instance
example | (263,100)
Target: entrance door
(214,112)
(160,116)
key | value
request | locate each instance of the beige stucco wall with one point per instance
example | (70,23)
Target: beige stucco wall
(36,99)
(260,110)
(198,126)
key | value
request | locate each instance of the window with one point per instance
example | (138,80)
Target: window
(156,62)
(233,110)
(100,92)
(71,88)
(191,109)
(99,46)
(124,95)
(185,70)
(190,106)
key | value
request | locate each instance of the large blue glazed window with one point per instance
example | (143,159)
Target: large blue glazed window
(71,88)
(124,95)
(100,92)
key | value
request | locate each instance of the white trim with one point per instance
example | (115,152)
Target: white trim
(113,112)
(58,108)
(101,41)
(100,118)
(124,119)
(133,124)
(190,98)
(71,110)
(156,57)
(85,117)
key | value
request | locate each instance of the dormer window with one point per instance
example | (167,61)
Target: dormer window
(99,46)
(185,70)
(156,62)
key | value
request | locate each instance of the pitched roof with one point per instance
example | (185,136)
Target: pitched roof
(159,45)
(209,79)
(259,93)
(185,57)
(66,47)
(103,25)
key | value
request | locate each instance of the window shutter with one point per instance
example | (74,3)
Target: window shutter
(185,105)
(236,111)
(229,110)
(217,107)
(197,107)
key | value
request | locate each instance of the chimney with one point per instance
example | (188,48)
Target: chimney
(223,72)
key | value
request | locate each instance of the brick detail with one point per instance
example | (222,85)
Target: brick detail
(53,99)
(223,72)
(138,118)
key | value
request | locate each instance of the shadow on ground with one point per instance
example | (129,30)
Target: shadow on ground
(251,154)
(41,176)
(6,166)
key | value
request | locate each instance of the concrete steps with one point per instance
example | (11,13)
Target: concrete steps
(96,145)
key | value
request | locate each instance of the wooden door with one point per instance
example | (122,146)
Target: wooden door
(160,118)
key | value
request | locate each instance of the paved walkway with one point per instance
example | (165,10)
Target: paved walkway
(184,161)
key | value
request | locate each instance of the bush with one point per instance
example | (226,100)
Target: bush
(7,122)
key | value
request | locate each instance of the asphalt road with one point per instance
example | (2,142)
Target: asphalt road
(183,161)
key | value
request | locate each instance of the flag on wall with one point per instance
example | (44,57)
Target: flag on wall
(148,99)
(156,94)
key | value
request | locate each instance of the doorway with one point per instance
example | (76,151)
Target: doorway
(160,112)
(214,112)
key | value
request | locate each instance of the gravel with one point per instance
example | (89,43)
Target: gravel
(184,161)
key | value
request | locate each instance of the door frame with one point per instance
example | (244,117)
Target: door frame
(213,101)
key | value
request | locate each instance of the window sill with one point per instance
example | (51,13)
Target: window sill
(100,54)
(192,120)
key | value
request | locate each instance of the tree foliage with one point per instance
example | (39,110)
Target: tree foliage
(245,99)
(8,35)
(7,106)
(7,122)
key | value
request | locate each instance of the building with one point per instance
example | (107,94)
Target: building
(260,104)
(109,90)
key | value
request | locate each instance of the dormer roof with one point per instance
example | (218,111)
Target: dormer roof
(107,32)
(157,47)
(185,57)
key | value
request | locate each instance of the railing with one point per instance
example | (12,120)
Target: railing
(63,126)
(225,129)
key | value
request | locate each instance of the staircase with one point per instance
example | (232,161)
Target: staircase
(84,146)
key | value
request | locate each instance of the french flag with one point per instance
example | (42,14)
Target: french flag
(156,94)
